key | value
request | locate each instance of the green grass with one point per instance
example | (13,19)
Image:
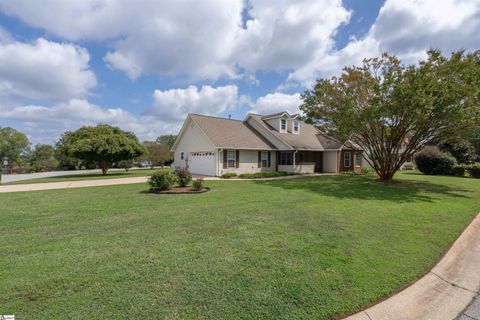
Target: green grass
(112,174)
(307,248)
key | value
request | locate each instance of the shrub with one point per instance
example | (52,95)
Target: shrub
(228,175)
(260,175)
(198,184)
(431,161)
(368,170)
(408,166)
(474,170)
(183,176)
(161,180)
(458,170)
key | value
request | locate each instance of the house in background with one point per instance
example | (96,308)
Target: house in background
(213,146)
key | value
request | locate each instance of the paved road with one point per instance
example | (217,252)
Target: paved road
(442,294)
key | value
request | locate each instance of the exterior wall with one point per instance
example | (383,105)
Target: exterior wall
(269,136)
(353,167)
(303,167)
(248,162)
(275,123)
(192,140)
(330,160)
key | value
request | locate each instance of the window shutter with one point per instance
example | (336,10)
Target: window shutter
(237,163)
(259,159)
(269,162)
(225,163)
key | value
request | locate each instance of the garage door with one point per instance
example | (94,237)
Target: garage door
(202,163)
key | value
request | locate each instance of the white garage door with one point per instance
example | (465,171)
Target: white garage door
(202,163)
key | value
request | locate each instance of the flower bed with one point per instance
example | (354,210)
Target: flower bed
(180,190)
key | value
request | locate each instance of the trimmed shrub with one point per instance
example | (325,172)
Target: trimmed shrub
(458,170)
(474,170)
(368,170)
(228,175)
(260,175)
(183,176)
(161,180)
(431,161)
(198,184)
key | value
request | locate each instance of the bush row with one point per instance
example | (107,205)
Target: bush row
(164,180)
(256,175)
(434,162)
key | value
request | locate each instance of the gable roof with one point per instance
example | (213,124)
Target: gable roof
(229,133)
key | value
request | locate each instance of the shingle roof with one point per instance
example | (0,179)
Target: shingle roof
(228,133)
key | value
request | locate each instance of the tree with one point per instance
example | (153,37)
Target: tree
(392,111)
(157,153)
(43,158)
(103,144)
(461,149)
(13,144)
(168,140)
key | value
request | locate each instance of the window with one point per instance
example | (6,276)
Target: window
(231,158)
(346,159)
(358,160)
(285,158)
(264,159)
(283,125)
(181,155)
(296,126)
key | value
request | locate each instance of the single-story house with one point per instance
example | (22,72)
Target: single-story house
(213,146)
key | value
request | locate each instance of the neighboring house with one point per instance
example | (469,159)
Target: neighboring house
(279,142)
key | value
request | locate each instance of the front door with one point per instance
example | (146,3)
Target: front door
(318,162)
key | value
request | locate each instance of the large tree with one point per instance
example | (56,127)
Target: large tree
(392,110)
(43,158)
(168,140)
(13,144)
(103,144)
(157,153)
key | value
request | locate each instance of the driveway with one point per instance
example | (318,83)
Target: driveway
(444,293)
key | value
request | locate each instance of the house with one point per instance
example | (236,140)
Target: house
(213,146)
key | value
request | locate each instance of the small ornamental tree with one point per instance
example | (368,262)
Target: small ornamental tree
(103,144)
(392,110)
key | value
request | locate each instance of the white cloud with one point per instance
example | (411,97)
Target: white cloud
(44,70)
(174,104)
(277,102)
(406,28)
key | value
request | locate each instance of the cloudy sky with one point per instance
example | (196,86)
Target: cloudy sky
(143,65)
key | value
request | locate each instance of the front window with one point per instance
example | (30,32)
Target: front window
(346,159)
(283,125)
(231,158)
(285,158)
(358,160)
(264,159)
(296,126)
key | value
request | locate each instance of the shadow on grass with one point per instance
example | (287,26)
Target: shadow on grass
(369,188)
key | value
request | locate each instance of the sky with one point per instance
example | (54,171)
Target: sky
(144,65)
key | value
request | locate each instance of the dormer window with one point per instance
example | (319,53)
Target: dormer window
(283,125)
(296,126)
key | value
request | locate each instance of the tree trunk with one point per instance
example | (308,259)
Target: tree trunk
(104,166)
(386,176)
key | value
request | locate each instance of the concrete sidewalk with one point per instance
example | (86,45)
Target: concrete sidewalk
(443,293)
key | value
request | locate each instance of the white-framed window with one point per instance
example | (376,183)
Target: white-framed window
(296,126)
(283,125)
(231,158)
(358,160)
(182,156)
(347,159)
(264,159)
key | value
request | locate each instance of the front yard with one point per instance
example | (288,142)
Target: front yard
(301,248)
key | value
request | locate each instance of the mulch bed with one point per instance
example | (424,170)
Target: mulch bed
(181,190)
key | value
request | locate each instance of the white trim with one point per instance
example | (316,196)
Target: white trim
(183,129)
(234,159)
(355,159)
(298,126)
(280,125)
(349,159)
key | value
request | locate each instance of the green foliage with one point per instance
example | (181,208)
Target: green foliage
(103,144)
(408,166)
(125,164)
(458,170)
(431,161)
(461,149)
(228,175)
(198,184)
(13,145)
(161,180)
(260,175)
(167,140)
(474,170)
(158,154)
(183,176)
(392,110)
(368,171)
(43,158)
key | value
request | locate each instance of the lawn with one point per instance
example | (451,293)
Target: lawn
(112,174)
(307,248)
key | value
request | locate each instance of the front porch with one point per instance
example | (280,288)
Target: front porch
(307,161)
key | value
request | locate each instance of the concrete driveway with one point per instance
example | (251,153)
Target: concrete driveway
(444,293)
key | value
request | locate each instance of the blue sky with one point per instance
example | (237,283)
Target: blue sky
(144,65)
